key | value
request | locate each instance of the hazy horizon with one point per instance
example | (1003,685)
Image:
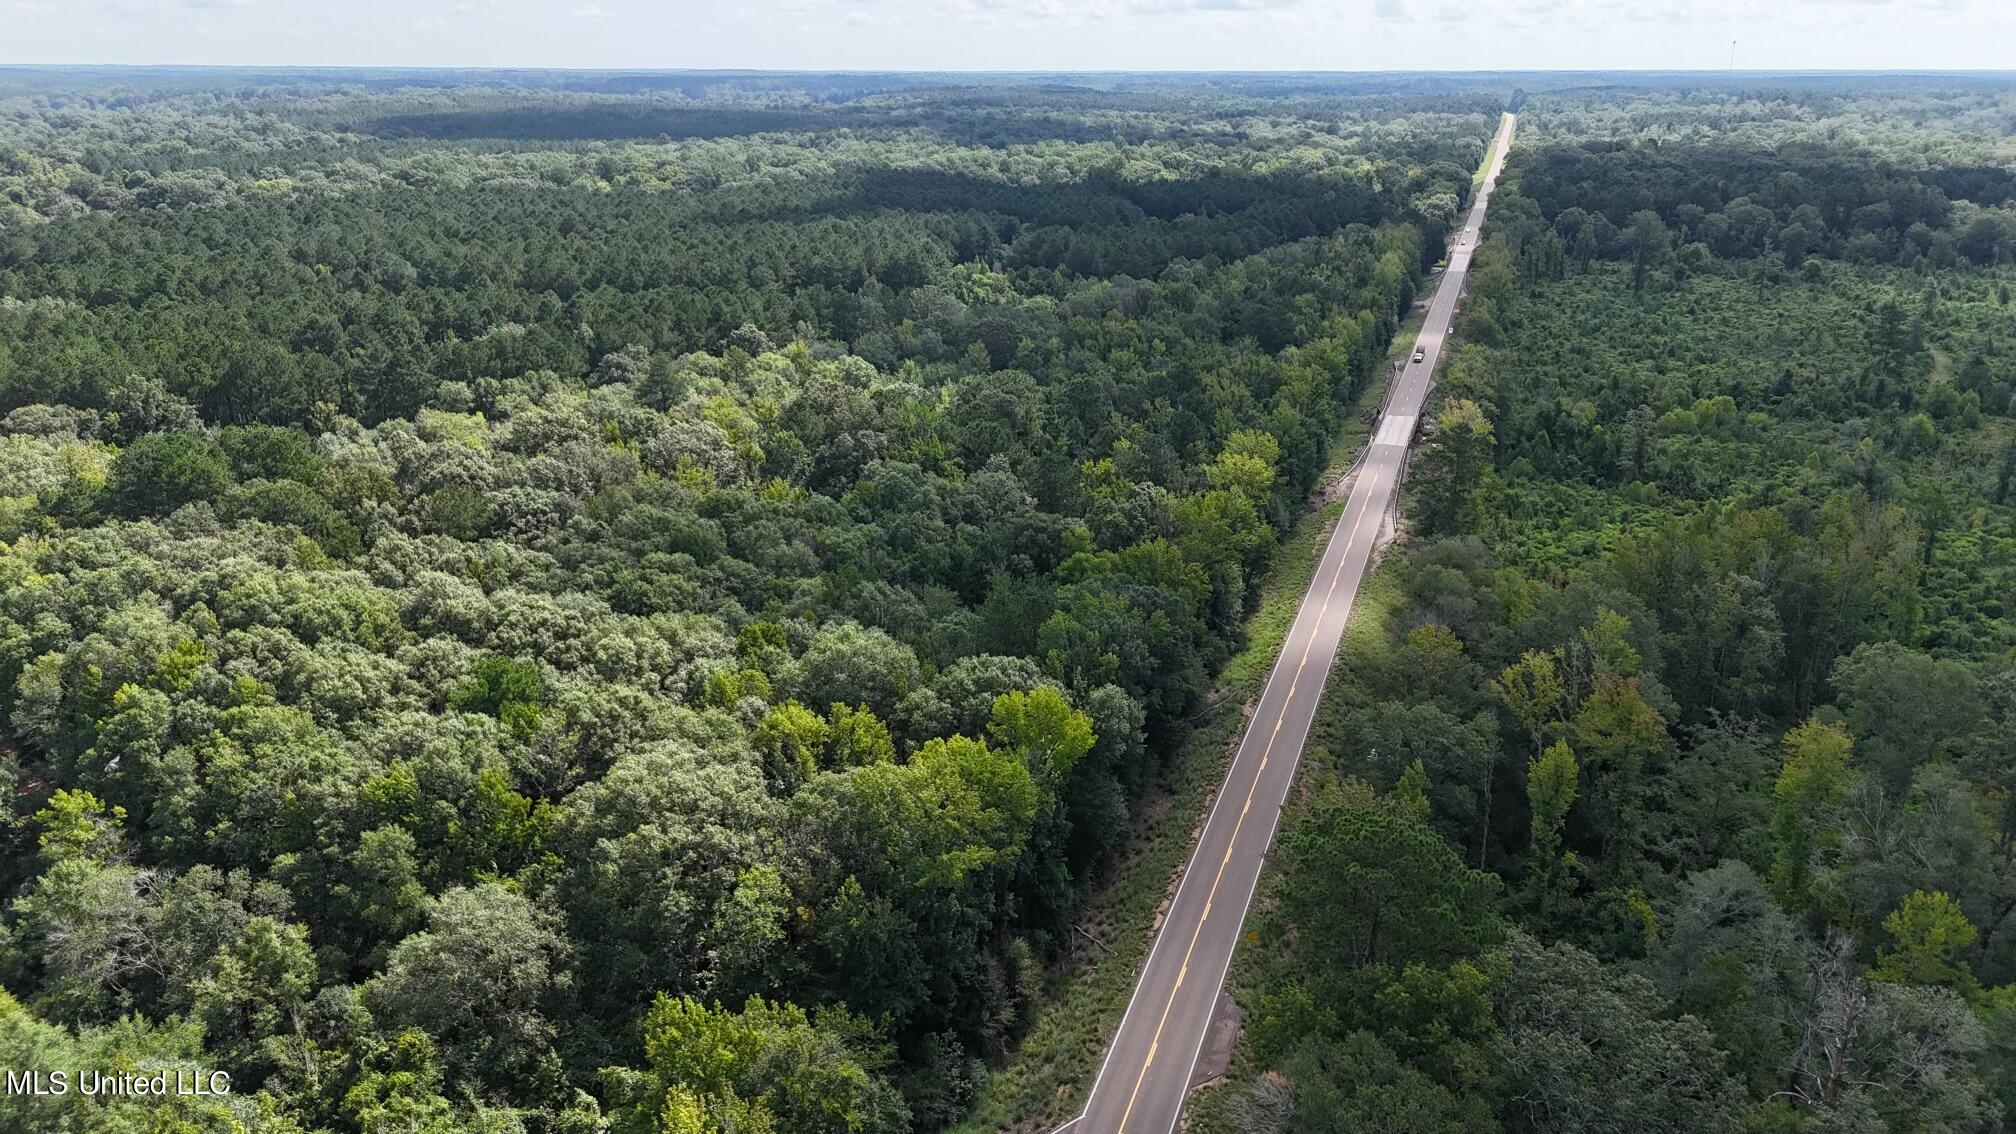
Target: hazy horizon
(1019,35)
(1424,72)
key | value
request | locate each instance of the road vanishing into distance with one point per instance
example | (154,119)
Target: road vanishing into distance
(1146,1075)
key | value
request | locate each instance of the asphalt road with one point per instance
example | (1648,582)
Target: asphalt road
(1146,1075)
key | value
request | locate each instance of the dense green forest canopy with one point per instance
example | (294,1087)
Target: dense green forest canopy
(575,602)
(1677,791)
(528,608)
(304,263)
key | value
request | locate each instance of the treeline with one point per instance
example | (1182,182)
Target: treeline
(1793,201)
(72,149)
(562,659)
(1912,120)
(362,305)
(353,288)
(1674,793)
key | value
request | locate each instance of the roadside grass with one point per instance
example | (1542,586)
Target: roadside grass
(1051,1072)
(1402,345)
(1048,1077)
(1490,155)
(1368,637)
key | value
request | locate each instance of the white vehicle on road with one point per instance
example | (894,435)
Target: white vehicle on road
(1152,1060)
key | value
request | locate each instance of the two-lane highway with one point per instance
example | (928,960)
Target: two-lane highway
(1146,1075)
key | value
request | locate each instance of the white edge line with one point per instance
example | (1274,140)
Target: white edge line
(1344,550)
(1288,784)
(1211,817)
(1203,835)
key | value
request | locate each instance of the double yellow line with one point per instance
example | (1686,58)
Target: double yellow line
(1501,143)
(1183,971)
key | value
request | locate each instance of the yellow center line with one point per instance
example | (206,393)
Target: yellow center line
(1183,970)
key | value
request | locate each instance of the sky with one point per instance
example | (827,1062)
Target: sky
(1326,35)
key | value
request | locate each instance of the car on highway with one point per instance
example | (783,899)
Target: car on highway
(1419,354)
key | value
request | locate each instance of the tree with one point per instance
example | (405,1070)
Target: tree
(1367,882)
(485,978)
(1720,799)
(1452,467)
(854,665)
(1247,465)
(650,853)
(143,404)
(253,1000)
(1551,781)
(957,807)
(1456,757)
(1929,933)
(161,472)
(768,1066)
(1617,735)
(960,699)
(83,922)
(1906,708)
(1411,793)
(1804,819)
(459,511)
(790,738)
(1042,728)
(1899,1051)
(1592,1051)
(856,737)
(1533,690)
(173,1048)
(1358,1083)
(271,452)
(79,825)
(1651,246)
(1728,954)
(290,502)
(398,1088)
(377,895)
(505,688)
(1603,648)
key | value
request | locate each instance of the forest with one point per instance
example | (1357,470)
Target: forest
(1669,785)
(559,603)
(528,608)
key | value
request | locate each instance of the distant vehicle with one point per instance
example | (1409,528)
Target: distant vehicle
(1420,354)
